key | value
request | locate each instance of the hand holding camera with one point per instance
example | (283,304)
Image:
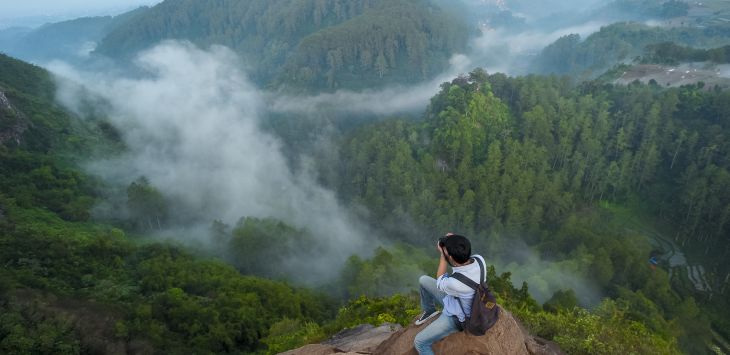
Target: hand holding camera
(442,242)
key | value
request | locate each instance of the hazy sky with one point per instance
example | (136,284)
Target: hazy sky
(14,10)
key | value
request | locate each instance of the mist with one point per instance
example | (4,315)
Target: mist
(192,129)
(543,276)
(723,71)
(548,8)
(509,52)
(387,101)
(496,49)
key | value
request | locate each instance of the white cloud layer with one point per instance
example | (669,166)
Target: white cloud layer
(387,101)
(192,130)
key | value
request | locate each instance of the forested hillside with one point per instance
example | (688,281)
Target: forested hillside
(536,157)
(73,285)
(671,53)
(620,43)
(567,145)
(602,210)
(313,43)
(69,285)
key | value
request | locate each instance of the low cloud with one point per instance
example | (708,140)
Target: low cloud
(501,50)
(387,101)
(495,50)
(192,128)
(545,277)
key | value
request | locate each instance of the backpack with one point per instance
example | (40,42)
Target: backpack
(484,309)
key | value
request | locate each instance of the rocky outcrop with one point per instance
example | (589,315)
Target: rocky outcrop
(315,349)
(12,122)
(4,102)
(363,338)
(506,337)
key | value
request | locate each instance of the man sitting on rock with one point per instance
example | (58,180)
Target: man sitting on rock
(452,294)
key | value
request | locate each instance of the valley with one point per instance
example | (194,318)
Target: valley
(205,176)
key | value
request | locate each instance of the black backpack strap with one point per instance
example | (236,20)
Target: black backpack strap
(460,326)
(469,282)
(482,270)
(466,281)
(461,305)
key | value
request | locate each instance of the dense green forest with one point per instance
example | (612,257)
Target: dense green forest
(386,41)
(620,43)
(593,179)
(73,285)
(671,53)
(537,157)
(320,44)
(69,285)
(545,144)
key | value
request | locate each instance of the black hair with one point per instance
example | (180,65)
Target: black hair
(459,247)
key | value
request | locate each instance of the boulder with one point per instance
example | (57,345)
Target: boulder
(504,338)
(313,349)
(363,338)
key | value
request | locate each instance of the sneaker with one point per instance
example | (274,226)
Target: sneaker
(424,317)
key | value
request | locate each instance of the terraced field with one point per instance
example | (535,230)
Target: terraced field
(710,12)
(672,76)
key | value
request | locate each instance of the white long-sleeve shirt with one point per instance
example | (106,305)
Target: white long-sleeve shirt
(455,288)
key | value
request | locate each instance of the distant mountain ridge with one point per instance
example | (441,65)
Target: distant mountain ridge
(321,44)
(620,42)
(69,40)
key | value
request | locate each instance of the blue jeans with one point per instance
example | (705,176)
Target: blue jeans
(441,327)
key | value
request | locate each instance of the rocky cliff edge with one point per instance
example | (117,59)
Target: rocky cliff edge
(507,336)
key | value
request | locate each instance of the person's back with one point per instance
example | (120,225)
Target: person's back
(455,250)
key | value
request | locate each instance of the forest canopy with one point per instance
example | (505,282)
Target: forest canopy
(620,43)
(321,44)
(580,193)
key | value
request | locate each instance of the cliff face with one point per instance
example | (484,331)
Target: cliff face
(506,337)
(12,122)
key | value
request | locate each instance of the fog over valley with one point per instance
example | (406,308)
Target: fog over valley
(199,141)
(230,176)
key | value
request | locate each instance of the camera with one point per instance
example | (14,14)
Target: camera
(442,241)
